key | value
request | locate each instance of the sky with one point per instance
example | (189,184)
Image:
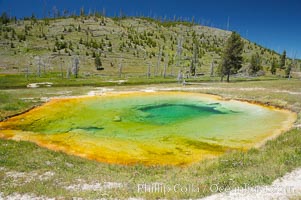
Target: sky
(275,24)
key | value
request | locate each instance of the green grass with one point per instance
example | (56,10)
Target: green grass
(11,81)
(254,167)
(20,81)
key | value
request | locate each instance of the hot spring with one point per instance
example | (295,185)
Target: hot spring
(150,128)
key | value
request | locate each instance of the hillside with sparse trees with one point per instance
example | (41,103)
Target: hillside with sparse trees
(144,47)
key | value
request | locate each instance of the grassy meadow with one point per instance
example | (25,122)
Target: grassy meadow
(26,168)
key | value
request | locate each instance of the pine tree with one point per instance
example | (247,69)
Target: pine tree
(282,61)
(255,64)
(273,66)
(98,63)
(4,19)
(82,11)
(232,56)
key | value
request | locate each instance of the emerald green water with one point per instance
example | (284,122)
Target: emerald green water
(172,113)
(169,128)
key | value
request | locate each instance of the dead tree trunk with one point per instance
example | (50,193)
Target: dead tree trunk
(164,72)
(39,66)
(159,62)
(120,68)
(149,70)
(62,74)
(212,68)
